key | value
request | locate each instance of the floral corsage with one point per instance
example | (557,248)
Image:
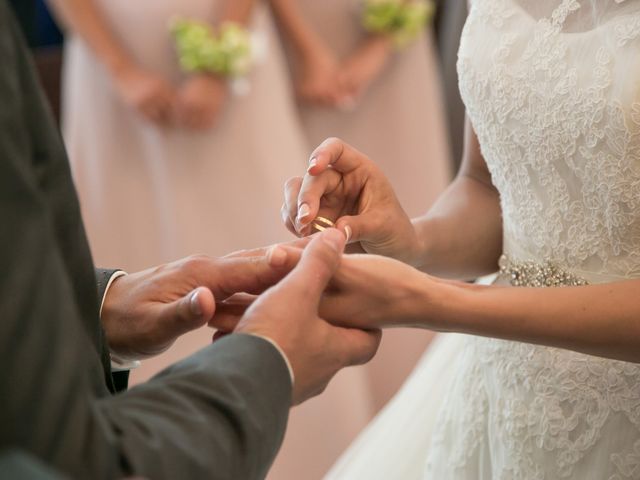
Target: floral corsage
(226,52)
(403,20)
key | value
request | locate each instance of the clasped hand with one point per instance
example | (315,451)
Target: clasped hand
(323,80)
(145,312)
(195,105)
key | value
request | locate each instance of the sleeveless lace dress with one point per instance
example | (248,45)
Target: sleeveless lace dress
(552,88)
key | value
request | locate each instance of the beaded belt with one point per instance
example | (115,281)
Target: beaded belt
(532,274)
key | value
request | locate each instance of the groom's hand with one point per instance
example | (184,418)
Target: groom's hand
(145,312)
(288,315)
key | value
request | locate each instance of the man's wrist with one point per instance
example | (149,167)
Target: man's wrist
(118,363)
(117,274)
(121,364)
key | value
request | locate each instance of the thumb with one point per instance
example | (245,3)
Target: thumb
(188,313)
(355,228)
(319,262)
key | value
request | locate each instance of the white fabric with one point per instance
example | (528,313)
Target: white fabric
(112,279)
(393,446)
(117,364)
(552,88)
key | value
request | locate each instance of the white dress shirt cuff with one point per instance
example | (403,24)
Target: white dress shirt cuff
(117,364)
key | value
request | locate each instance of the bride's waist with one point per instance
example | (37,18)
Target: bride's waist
(522,270)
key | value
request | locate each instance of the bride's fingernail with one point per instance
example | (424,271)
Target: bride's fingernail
(194,304)
(348,232)
(303,212)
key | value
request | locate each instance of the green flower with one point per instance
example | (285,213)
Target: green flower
(199,49)
(402,19)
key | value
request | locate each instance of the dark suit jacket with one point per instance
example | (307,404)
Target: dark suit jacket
(219,414)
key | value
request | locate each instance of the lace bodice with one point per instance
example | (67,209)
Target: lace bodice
(552,88)
(554,96)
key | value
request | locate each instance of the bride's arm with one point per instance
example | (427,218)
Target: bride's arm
(461,234)
(602,320)
(376,292)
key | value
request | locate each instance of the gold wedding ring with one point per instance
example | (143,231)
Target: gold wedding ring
(321,224)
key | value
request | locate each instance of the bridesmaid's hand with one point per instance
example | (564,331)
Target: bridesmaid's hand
(318,81)
(346,187)
(150,94)
(200,100)
(362,68)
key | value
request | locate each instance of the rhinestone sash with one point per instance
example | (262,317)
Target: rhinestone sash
(532,274)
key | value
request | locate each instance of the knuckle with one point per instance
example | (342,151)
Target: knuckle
(322,261)
(292,184)
(195,262)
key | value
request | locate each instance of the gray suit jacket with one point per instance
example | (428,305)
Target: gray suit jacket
(219,414)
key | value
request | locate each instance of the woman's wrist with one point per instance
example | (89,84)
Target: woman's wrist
(121,67)
(380,42)
(313,51)
(437,304)
(212,76)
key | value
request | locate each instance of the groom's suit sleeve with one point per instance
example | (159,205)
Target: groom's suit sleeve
(219,414)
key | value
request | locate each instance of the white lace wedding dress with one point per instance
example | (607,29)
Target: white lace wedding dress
(553,90)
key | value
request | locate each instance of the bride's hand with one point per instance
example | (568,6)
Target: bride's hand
(369,291)
(346,187)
